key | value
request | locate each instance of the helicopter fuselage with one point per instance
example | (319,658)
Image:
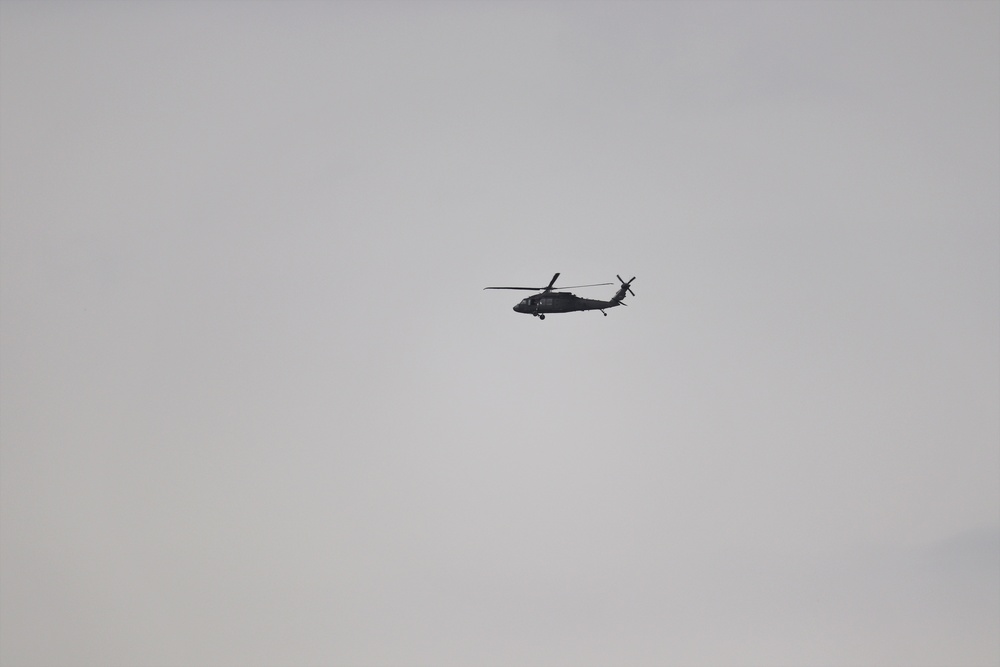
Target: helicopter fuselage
(559,302)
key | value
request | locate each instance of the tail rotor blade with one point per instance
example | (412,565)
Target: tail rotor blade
(626,285)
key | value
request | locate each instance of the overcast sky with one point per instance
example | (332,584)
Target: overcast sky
(257,409)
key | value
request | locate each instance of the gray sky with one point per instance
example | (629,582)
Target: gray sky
(257,409)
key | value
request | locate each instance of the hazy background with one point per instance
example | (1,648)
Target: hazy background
(257,409)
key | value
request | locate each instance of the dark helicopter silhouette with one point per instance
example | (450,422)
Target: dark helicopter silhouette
(547,301)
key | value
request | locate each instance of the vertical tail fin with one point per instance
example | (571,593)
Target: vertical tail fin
(619,297)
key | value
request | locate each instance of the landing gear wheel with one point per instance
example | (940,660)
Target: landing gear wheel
(541,317)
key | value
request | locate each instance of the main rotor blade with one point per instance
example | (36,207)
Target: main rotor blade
(533,289)
(548,288)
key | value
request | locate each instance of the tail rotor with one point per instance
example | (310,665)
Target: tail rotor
(626,288)
(626,285)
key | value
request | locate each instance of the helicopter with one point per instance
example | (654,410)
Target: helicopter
(547,301)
